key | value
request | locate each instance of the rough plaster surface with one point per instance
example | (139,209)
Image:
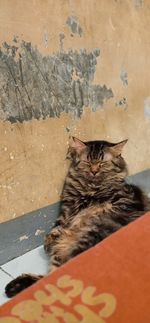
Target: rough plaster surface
(36,86)
(32,164)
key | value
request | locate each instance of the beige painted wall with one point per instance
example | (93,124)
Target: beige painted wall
(32,164)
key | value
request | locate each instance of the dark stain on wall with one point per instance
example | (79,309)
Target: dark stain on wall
(36,86)
(74,25)
(138,3)
(147,107)
(124,77)
(123,104)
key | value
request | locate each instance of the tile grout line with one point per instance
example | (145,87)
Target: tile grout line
(5,272)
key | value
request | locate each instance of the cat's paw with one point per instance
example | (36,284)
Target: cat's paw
(56,232)
(20,283)
(52,237)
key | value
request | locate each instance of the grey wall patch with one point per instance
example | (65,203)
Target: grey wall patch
(138,3)
(61,39)
(122,103)
(147,107)
(45,38)
(36,86)
(74,25)
(124,77)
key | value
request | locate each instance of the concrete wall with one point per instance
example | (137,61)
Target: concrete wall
(68,67)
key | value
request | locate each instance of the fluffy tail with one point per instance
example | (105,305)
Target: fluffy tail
(20,283)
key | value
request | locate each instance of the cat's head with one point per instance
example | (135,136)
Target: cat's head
(93,159)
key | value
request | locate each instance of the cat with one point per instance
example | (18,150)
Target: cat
(96,201)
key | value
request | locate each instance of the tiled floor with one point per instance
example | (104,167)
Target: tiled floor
(34,261)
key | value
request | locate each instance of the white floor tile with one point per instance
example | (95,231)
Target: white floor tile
(4,280)
(34,261)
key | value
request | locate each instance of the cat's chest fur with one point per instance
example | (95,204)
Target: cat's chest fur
(80,193)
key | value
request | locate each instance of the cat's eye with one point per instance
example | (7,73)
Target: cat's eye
(86,162)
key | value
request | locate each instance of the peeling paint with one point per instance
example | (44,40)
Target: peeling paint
(25,237)
(147,107)
(36,86)
(74,25)
(61,39)
(124,76)
(122,103)
(39,232)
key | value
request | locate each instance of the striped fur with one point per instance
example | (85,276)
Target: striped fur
(95,202)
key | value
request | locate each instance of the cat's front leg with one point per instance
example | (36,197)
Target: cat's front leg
(62,250)
(52,237)
(55,233)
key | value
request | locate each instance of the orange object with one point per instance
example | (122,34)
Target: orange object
(108,283)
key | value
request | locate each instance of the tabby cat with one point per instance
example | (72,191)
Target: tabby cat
(95,202)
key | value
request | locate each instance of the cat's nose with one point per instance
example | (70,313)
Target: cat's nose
(94,172)
(94,169)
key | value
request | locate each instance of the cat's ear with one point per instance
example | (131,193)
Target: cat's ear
(116,150)
(77,145)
